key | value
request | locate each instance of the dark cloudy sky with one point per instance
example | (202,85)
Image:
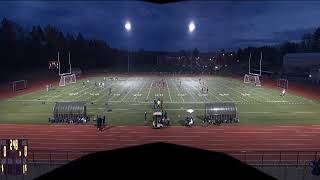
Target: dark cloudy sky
(219,25)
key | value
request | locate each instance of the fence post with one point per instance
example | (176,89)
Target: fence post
(262,158)
(33,157)
(315,155)
(285,172)
(297,158)
(280,159)
(245,156)
(67,156)
(50,158)
(304,170)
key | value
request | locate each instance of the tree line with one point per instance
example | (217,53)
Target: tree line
(273,55)
(20,48)
(34,48)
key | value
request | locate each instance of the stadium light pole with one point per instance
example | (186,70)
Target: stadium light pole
(128,29)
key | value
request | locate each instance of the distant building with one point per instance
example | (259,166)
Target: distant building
(297,62)
(303,63)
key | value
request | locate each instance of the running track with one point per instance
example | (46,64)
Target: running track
(225,138)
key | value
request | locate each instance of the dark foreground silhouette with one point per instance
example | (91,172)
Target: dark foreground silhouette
(158,160)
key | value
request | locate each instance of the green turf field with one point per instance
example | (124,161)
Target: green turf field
(133,95)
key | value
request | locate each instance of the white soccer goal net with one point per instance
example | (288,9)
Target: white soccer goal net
(19,85)
(252,79)
(67,79)
(282,83)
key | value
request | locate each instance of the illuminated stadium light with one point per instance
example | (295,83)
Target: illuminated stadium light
(192,27)
(128,26)
(310,76)
(216,67)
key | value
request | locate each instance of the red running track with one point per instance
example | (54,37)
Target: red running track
(227,138)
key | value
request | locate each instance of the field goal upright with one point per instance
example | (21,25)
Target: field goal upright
(68,77)
(253,78)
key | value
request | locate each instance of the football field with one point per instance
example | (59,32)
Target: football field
(125,100)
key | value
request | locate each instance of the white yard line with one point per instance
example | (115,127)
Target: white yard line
(150,89)
(231,100)
(226,86)
(61,93)
(104,89)
(168,90)
(140,102)
(206,99)
(177,90)
(276,101)
(91,89)
(134,99)
(122,89)
(259,95)
(86,95)
(55,93)
(190,94)
(253,89)
(132,87)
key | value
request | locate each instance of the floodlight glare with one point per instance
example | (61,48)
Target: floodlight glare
(190,111)
(192,27)
(128,26)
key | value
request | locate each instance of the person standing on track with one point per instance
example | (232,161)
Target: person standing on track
(98,122)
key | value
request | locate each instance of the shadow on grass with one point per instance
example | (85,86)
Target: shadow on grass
(181,122)
(200,117)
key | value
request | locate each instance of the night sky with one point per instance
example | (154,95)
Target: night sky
(224,24)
